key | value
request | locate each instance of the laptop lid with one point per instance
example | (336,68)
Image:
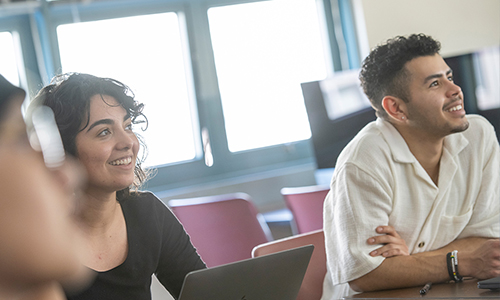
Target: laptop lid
(276,276)
(492,283)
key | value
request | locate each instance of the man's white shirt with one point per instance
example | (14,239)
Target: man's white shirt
(377,181)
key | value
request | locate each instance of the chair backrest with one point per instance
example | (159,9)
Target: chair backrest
(312,285)
(223,228)
(306,205)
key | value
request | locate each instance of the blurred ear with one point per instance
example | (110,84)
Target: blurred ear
(395,108)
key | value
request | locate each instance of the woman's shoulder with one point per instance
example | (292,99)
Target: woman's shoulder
(140,196)
(144,201)
(144,211)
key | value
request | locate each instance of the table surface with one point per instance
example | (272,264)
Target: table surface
(463,290)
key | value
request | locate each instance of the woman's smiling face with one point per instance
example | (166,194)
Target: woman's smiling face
(107,146)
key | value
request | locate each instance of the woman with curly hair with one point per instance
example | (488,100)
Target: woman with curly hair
(131,234)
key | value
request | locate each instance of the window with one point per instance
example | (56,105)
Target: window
(488,76)
(149,55)
(8,59)
(234,111)
(263,51)
(343,94)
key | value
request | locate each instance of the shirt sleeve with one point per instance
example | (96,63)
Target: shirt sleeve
(485,219)
(178,256)
(361,203)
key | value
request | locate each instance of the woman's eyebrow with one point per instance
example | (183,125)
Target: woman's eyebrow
(106,121)
(103,121)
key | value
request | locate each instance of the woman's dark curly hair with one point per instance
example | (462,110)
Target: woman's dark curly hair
(68,95)
(384,73)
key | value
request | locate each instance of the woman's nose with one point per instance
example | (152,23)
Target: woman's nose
(126,139)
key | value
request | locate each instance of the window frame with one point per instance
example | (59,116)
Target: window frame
(19,27)
(193,14)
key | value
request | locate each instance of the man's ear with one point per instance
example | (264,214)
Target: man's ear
(395,108)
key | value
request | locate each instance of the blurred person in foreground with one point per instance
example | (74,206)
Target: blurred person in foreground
(416,188)
(39,244)
(131,234)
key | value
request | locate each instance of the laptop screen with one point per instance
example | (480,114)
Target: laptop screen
(276,276)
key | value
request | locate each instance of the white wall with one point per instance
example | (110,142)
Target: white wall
(462,26)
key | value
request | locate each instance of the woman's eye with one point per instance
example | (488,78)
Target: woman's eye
(104,132)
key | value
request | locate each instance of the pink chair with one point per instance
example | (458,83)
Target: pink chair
(223,228)
(306,205)
(312,285)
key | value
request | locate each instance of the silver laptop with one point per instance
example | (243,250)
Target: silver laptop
(276,276)
(492,283)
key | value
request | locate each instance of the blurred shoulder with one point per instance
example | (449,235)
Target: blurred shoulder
(144,200)
(479,129)
(478,122)
(368,145)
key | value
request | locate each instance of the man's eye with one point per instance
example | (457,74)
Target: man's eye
(450,78)
(129,126)
(434,83)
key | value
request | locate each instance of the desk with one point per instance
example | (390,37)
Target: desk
(463,290)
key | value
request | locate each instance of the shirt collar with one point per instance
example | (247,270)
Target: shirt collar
(453,143)
(399,149)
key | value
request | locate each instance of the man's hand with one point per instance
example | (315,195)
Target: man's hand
(484,262)
(478,257)
(394,245)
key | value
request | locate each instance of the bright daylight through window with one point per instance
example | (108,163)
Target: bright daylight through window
(8,65)
(263,51)
(146,53)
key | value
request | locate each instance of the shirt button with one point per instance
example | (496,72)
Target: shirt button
(421,244)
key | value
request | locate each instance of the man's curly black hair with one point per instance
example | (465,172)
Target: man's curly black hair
(384,73)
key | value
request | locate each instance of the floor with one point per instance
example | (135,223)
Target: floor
(158,292)
(279,221)
(280,230)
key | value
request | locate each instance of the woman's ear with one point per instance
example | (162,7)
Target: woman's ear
(395,108)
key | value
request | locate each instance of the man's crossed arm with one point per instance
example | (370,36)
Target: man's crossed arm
(478,257)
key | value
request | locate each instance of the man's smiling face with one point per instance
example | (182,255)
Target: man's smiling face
(436,102)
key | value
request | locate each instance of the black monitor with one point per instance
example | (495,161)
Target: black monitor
(337,109)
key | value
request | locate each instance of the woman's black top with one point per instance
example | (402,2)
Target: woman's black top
(157,244)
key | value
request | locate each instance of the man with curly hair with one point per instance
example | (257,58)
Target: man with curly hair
(417,188)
